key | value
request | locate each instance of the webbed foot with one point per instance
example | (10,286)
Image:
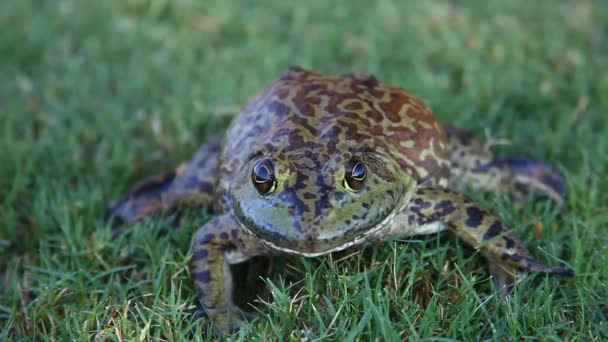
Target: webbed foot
(504,278)
(230,319)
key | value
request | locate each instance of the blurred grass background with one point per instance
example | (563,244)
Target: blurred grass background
(95,95)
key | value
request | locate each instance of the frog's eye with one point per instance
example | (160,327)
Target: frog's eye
(354,176)
(262,177)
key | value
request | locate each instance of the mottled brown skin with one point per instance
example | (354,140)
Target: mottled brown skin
(317,163)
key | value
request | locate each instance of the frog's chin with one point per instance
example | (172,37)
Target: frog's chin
(319,249)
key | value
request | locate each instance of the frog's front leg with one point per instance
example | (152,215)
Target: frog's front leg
(216,245)
(434,209)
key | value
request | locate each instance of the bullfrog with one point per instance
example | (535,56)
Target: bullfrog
(317,163)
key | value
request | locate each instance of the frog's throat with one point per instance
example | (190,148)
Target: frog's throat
(355,241)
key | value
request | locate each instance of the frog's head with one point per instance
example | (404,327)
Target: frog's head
(312,204)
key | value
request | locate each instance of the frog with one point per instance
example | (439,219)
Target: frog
(317,163)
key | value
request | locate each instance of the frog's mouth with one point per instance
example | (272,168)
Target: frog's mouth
(349,243)
(311,245)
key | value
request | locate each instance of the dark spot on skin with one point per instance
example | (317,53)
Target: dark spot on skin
(200,254)
(509,242)
(474,217)
(339,196)
(227,247)
(374,115)
(322,205)
(224,236)
(203,277)
(494,230)
(296,206)
(365,205)
(421,203)
(205,187)
(411,219)
(309,195)
(278,108)
(516,257)
(207,238)
(353,106)
(234,233)
(347,222)
(353,131)
(390,193)
(446,207)
(332,133)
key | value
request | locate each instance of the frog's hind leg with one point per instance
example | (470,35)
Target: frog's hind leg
(433,209)
(191,184)
(143,199)
(473,164)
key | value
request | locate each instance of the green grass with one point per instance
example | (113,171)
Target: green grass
(95,95)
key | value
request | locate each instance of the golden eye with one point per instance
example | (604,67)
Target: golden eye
(262,177)
(355,176)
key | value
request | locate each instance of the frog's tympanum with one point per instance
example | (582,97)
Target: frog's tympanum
(318,163)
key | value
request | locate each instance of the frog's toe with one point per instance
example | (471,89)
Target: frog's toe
(560,271)
(535,178)
(504,276)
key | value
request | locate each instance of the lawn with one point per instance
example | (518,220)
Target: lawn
(95,95)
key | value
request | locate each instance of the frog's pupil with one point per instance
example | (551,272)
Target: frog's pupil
(358,171)
(262,177)
(355,176)
(262,174)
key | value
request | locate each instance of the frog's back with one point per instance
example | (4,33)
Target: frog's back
(310,116)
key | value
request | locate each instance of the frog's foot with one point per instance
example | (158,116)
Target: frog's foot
(432,209)
(505,277)
(531,177)
(144,199)
(230,319)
